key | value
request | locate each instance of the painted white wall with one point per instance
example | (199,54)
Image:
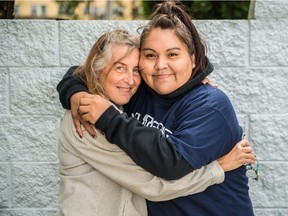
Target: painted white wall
(251,66)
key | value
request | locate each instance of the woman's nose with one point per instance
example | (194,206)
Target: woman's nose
(160,63)
(129,78)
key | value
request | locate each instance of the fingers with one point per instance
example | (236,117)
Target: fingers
(89,129)
(250,160)
(92,107)
(209,82)
(76,120)
(245,147)
(77,99)
(245,152)
(86,115)
(243,143)
(205,80)
(85,101)
(247,156)
(88,99)
(77,124)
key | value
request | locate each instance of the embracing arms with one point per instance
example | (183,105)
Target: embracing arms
(164,160)
(112,162)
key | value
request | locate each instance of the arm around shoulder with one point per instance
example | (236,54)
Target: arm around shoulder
(69,85)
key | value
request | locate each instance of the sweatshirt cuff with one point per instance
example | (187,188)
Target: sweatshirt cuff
(105,120)
(217,172)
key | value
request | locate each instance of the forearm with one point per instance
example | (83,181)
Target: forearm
(111,161)
(146,146)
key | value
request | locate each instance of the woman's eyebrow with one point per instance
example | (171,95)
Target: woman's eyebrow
(118,62)
(150,49)
(173,48)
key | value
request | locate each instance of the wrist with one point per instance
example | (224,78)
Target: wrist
(223,165)
(105,120)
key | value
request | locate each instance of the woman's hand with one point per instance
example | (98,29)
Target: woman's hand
(209,82)
(239,155)
(78,121)
(91,107)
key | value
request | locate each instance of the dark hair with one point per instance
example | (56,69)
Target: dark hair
(173,15)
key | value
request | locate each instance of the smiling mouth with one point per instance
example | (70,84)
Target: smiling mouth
(162,76)
(126,89)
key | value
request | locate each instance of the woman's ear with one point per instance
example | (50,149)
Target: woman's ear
(193,61)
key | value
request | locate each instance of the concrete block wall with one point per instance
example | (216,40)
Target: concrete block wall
(251,66)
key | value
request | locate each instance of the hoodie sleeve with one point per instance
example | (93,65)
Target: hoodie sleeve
(69,85)
(160,157)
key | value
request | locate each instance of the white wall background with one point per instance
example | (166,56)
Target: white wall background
(251,66)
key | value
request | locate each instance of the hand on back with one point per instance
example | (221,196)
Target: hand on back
(238,156)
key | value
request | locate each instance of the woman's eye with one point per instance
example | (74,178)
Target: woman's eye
(149,55)
(172,54)
(136,70)
(120,68)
